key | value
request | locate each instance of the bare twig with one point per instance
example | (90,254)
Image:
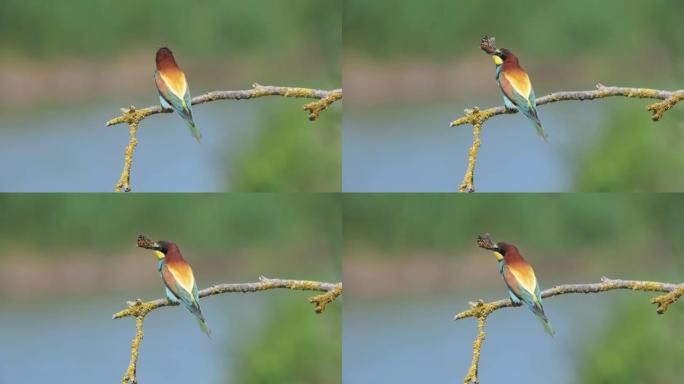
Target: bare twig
(133,116)
(140,309)
(477,117)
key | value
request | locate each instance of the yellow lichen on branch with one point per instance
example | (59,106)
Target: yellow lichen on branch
(475,116)
(133,116)
(316,107)
(472,376)
(664,301)
(140,309)
(124,184)
(468,184)
(321,301)
(131,372)
(661,107)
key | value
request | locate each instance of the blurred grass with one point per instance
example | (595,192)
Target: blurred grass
(442,29)
(294,346)
(640,350)
(108,223)
(206,29)
(563,223)
(291,153)
(634,154)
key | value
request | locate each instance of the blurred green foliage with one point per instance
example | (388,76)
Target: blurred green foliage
(635,346)
(295,346)
(206,28)
(445,28)
(107,222)
(559,222)
(634,154)
(291,153)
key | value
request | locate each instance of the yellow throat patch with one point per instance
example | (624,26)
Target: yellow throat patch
(498,256)
(497,60)
(160,255)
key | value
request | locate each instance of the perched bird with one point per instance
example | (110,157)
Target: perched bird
(516,87)
(520,280)
(173,88)
(178,279)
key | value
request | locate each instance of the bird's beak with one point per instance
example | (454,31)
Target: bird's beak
(497,60)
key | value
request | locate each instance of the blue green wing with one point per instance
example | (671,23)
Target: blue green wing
(514,298)
(187,115)
(534,303)
(163,103)
(192,304)
(508,103)
(171,296)
(529,109)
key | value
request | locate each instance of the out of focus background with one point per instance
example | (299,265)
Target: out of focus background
(410,68)
(67,67)
(68,262)
(411,263)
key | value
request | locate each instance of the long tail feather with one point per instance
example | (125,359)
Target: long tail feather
(532,115)
(195,132)
(203,325)
(545,322)
(540,129)
(548,328)
(194,308)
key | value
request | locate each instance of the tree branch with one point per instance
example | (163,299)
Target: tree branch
(133,116)
(674,292)
(482,310)
(477,117)
(140,309)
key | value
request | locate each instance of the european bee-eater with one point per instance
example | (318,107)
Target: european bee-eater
(516,87)
(519,278)
(178,279)
(174,92)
